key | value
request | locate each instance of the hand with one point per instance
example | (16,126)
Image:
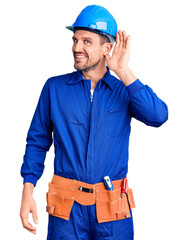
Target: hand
(118,62)
(28,205)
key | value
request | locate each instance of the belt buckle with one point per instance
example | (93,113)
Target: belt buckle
(83,189)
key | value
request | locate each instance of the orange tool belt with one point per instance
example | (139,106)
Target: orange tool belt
(110,206)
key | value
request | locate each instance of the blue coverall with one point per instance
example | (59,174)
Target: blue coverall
(90,140)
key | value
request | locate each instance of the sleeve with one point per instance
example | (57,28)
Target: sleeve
(145,105)
(39,139)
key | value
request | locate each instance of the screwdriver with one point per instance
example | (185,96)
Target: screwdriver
(123,188)
(108,183)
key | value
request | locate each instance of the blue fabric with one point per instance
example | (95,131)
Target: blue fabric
(83,225)
(90,139)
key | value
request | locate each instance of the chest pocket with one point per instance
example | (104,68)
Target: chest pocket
(74,124)
(76,121)
(118,123)
(72,117)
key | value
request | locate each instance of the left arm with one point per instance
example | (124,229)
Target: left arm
(145,105)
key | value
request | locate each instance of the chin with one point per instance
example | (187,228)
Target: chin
(79,66)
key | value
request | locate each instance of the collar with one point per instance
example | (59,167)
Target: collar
(78,77)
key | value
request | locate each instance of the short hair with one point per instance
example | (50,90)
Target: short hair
(104,39)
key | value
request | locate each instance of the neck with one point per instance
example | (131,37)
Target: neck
(95,75)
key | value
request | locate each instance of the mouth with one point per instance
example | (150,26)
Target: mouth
(79,57)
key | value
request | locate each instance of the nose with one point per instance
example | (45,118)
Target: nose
(78,47)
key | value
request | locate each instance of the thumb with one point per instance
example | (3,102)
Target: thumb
(107,57)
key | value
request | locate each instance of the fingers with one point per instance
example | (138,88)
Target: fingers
(117,39)
(30,228)
(122,41)
(24,218)
(35,217)
(128,43)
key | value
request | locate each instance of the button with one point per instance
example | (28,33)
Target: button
(72,197)
(97,190)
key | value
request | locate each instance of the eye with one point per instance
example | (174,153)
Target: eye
(75,40)
(87,41)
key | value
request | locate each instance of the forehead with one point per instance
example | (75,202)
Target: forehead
(82,34)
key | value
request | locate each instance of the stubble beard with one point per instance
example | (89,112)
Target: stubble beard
(87,68)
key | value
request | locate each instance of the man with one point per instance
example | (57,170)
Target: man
(89,112)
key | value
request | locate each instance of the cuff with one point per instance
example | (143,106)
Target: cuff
(30,178)
(135,87)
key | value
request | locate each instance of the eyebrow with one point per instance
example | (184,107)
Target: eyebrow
(84,38)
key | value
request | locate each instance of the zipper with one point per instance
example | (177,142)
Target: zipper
(91,95)
(90,99)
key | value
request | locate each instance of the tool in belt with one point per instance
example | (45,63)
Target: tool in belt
(110,206)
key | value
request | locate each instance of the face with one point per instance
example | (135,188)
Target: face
(87,51)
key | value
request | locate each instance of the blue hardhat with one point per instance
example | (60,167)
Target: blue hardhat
(97,19)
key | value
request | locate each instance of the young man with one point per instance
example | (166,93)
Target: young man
(89,112)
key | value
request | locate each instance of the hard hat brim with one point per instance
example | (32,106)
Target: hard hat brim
(72,28)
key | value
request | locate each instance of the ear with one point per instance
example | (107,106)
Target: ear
(107,48)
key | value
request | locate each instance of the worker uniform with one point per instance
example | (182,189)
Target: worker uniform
(91,141)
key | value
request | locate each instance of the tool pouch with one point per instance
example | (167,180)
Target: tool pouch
(58,202)
(110,206)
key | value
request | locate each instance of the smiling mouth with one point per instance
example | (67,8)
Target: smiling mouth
(78,56)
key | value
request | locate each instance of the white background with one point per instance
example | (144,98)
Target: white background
(35,46)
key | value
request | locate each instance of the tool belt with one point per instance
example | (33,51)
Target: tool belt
(110,206)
